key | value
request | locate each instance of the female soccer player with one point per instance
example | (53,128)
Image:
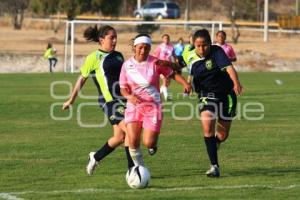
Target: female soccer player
(221,41)
(165,51)
(139,82)
(104,66)
(50,54)
(178,48)
(216,82)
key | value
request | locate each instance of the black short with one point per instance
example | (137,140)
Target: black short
(114,111)
(223,107)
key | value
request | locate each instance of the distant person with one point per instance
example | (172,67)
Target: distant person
(187,48)
(221,41)
(50,54)
(165,51)
(178,47)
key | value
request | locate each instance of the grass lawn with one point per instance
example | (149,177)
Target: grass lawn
(44,157)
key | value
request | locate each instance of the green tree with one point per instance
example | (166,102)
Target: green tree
(15,8)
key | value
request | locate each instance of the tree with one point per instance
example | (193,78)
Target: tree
(16,9)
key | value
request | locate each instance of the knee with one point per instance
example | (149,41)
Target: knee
(149,144)
(222,136)
(119,138)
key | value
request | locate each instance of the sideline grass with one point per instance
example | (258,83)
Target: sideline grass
(42,158)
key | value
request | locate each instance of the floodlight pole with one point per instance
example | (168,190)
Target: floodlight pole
(266,20)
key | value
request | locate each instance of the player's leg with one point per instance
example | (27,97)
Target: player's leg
(115,113)
(208,125)
(130,163)
(152,124)
(222,130)
(134,130)
(113,142)
(150,139)
(50,65)
(164,87)
(227,112)
(55,61)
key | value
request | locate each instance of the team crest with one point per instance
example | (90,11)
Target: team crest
(121,110)
(112,117)
(208,64)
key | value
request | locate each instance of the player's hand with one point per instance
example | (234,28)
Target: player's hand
(163,63)
(67,105)
(187,88)
(238,89)
(133,99)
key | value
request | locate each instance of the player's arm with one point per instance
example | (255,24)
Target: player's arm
(238,89)
(79,84)
(180,79)
(175,66)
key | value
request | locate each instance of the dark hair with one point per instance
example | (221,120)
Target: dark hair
(223,32)
(94,33)
(140,35)
(165,35)
(203,33)
(49,45)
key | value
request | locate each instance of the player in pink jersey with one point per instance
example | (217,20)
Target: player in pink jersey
(165,51)
(220,40)
(139,83)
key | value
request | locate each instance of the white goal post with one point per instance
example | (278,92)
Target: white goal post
(71,25)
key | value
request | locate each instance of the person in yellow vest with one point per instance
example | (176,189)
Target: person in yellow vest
(50,54)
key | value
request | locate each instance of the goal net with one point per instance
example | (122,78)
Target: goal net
(77,48)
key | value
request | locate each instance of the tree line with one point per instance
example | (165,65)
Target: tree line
(233,9)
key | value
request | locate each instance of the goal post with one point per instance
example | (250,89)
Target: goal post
(126,29)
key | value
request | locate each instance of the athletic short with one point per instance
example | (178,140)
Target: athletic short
(223,107)
(114,110)
(150,114)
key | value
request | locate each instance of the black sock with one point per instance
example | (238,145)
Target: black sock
(211,147)
(104,151)
(129,159)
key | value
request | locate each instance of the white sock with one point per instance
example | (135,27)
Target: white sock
(164,91)
(137,156)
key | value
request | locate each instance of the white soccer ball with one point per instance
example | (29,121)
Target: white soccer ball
(138,177)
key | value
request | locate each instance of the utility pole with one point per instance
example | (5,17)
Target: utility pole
(266,20)
(297,8)
(187,13)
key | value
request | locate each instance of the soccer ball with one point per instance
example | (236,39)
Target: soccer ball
(138,177)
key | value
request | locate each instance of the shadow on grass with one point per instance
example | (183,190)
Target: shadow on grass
(270,171)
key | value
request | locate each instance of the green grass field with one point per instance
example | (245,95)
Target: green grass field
(43,158)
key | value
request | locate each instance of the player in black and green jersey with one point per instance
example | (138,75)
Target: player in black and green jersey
(216,83)
(104,66)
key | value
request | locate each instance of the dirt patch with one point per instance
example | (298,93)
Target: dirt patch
(21,51)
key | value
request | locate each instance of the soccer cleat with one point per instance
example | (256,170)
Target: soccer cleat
(213,172)
(92,163)
(152,151)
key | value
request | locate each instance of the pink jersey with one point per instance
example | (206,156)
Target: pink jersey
(228,51)
(143,78)
(164,52)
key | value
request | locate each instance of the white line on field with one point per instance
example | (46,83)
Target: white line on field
(9,196)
